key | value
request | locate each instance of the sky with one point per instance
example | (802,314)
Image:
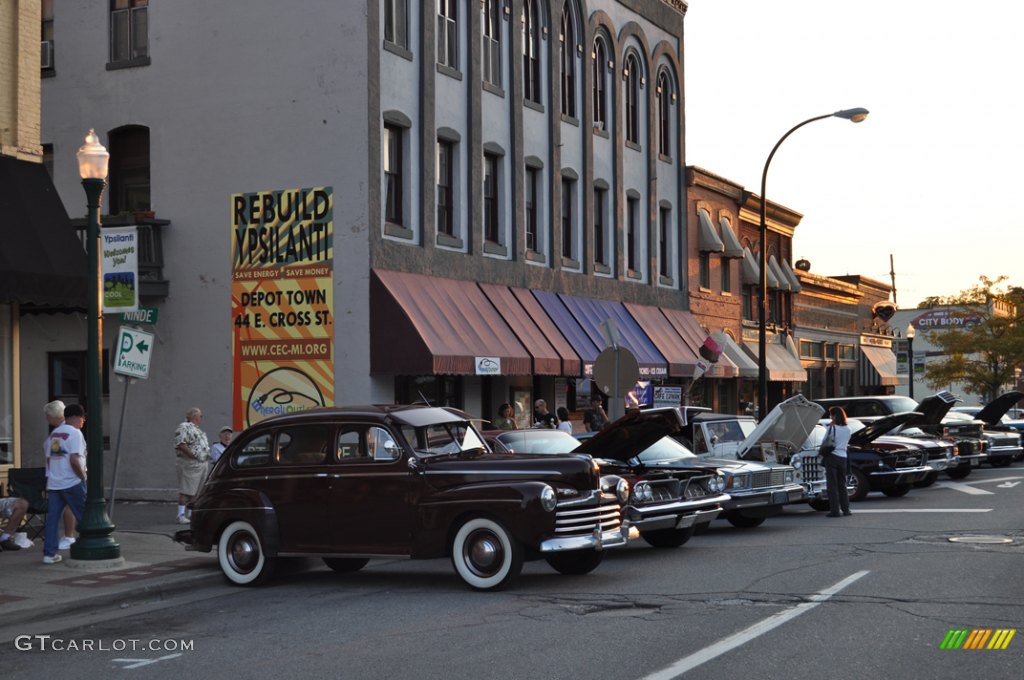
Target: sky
(932,177)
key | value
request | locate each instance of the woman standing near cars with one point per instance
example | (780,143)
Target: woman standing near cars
(833,453)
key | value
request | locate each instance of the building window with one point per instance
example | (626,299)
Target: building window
(568,199)
(395,22)
(704,262)
(599,214)
(600,100)
(568,58)
(492,42)
(531,208)
(67,380)
(750,303)
(632,210)
(129,169)
(664,93)
(445,184)
(632,99)
(448,33)
(129,30)
(664,242)
(531,51)
(726,265)
(393,172)
(46,57)
(491,198)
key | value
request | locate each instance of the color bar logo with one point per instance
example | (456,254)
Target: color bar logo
(978,638)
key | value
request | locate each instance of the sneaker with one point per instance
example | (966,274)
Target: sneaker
(183,520)
(65,542)
(47,559)
(9,544)
(22,539)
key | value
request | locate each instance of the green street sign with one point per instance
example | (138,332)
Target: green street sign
(144,315)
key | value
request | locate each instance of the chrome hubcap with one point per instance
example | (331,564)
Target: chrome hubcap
(484,553)
(244,552)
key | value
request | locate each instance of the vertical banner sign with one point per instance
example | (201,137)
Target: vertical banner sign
(120,267)
(282,280)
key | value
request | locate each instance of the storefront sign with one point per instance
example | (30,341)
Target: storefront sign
(487,365)
(944,319)
(875,341)
(120,251)
(668,395)
(282,302)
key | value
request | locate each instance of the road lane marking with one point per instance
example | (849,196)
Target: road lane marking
(882,512)
(690,662)
(138,663)
(1007,485)
(963,488)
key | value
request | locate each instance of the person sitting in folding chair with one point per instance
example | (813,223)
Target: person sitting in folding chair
(14,509)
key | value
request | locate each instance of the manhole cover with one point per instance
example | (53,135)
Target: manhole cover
(988,540)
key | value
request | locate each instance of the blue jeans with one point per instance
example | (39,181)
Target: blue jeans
(72,497)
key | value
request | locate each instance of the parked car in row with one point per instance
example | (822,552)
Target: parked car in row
(348,484)
(1001,432)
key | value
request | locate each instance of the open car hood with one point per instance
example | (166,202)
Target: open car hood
(634,432)
(934,408)
(997,408)
(790,423)
(875,429)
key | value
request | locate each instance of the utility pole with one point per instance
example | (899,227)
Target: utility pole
(892,275)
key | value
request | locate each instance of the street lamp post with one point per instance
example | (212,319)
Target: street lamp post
(95,541)
(911,332)
(855,115)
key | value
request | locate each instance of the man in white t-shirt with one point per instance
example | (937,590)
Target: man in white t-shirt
(65,470)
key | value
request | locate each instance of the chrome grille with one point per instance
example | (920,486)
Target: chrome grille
(769,478)
(583,521)
(697,487)
(812,469)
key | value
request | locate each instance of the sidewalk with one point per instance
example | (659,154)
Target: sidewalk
(155,566)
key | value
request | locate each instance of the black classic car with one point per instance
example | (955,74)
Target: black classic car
(1001,434)
(665,506)
(350,484)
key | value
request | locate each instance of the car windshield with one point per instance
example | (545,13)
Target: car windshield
(443,438)
(538,441)
(730,430)
(666,450)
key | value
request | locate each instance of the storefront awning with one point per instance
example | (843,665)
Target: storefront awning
(707,240)
(878,366)
(745,366)
(425,325)
(585,348)
(750,269)
(783,365)
(546,360)
(733,248)
(686,325)
(571,364)
(590,313)
(42,262)
(794,282)
(681,357)
(775,271)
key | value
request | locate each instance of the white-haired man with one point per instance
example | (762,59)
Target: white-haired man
(193,450)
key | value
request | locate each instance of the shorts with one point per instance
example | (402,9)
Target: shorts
(191,475)
(7,506)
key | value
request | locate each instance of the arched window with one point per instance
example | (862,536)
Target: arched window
(666,97)
(600,56)
(492,42)
(568,61)
(531,51)
(632,98)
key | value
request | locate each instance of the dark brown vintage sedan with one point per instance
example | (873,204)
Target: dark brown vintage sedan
(349,484)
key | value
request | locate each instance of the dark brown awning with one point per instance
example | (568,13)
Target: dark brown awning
(425,325)
(572,365)
(681,357)
(42,262)
(546,361)
(686,325)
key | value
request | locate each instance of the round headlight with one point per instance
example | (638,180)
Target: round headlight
(796,462)
(648,493)
(717,484)
(789,475)
(548,498)
(622,490)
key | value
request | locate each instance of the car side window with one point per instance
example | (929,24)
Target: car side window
(381,444)
(700,445)
(254,453)
(303,445)
(367,443)
(350,446)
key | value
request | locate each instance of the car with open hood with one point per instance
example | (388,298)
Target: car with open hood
(666,506)
(931,422)
(777,440)
(1001,433)
(350,484)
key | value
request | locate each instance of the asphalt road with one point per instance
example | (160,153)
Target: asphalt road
(802,596)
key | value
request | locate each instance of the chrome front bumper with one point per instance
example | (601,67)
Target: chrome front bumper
(816,490)
(598,540)
(909,475)
(740,500)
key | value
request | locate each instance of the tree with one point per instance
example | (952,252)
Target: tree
(981,355)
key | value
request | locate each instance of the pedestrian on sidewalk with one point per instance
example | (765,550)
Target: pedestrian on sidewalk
(193,450)
(65,471)
(224,439)
(564,424)
(69,517)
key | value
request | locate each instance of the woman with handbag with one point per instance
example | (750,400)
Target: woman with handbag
(833,455)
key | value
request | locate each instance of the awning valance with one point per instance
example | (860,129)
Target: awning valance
(733,249)
(42,261)
(590,313)
(783,365)
(746,367)
(682,358)
(878,366)
(687,326)
(707,240)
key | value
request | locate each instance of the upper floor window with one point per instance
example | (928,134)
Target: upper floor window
(492,42)
(129,169)
(129,30)
(666,98)
(448,33)
(664,242)
(491,198)
(46,57)
(531,51)
(599,221)
(530,189)
(393,174)
(568,62)
(632,215)
(568,199)
(632,99)
(726,265)
(396,29)
(704,264)
(600,57)
(445,187)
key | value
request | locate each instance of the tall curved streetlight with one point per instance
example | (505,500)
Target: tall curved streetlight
(855,115)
